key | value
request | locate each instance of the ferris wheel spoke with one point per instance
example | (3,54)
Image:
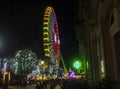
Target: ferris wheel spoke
(51,39)
(52,54)
(50,35)
(51,47)
(51,44)
(52,51)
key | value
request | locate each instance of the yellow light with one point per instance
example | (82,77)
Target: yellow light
(49,8)
(47,50)
(46,39)
(46,44)
(42,62)
(46,15)
(45,28)
(47,55)
(46,19)
(45,33)
(45,23)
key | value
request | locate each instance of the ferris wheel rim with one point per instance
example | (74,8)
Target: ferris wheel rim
(52,40)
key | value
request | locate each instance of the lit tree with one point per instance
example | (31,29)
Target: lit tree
(26,62)
(11,64)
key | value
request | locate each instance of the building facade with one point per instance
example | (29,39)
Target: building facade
(98,33)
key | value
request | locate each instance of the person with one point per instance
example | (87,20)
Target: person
(38,85)
(47,84)
(57,86)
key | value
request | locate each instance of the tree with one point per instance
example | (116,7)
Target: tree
(11,64)
(25,61)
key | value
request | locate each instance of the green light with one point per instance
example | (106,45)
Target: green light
(77,64)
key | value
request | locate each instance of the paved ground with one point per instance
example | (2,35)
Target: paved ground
(27,87)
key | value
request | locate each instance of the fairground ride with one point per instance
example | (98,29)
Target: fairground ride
(51,39)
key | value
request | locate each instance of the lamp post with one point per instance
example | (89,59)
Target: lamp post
(42,65)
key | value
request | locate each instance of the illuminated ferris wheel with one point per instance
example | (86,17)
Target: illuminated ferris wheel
(51,36)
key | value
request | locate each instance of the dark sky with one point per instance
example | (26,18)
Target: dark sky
(21,26)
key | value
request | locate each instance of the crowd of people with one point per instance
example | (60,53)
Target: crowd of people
(62,84)
(51,84)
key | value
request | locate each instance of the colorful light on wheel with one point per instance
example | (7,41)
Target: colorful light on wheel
(51,36)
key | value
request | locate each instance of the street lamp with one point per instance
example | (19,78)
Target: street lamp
(42,66)
(42,62)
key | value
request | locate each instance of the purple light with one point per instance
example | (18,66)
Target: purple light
(72,75)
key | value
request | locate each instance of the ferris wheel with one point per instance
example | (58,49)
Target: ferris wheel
(51,40)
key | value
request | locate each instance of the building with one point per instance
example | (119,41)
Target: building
(98,32)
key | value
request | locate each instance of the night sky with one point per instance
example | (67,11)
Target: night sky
(21,26)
